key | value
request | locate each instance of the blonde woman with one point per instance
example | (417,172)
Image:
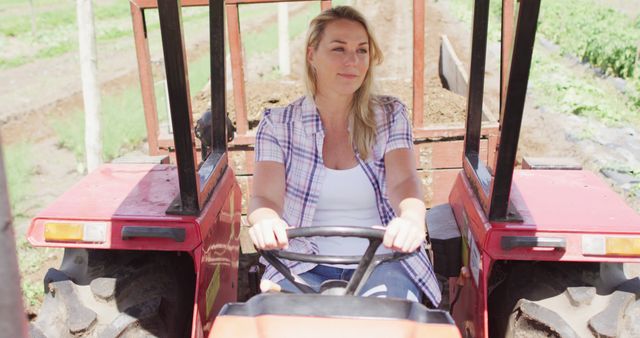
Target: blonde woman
(341,156)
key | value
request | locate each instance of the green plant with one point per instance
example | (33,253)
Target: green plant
(30,260)
(19,170)
(595,33)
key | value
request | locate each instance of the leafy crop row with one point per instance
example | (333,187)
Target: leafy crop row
(599,35)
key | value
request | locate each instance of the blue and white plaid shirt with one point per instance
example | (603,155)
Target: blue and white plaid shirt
(294,136)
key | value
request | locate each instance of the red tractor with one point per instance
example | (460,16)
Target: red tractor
(153,249)
(542,250)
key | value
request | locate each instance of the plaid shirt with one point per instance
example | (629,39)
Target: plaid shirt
(294,136)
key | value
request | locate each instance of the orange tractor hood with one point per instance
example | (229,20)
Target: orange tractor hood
(323,316)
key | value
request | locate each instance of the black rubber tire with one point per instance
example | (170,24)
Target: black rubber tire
(562,300)
(122,294)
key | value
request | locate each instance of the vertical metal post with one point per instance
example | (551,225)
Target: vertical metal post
(516,92)
(505,46)
(476,77)
(418,63)
(237,68)
(218,79)
(180,102)
(325,4)
(13,322)
(146,77)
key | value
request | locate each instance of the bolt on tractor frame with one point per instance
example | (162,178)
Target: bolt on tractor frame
(527,239)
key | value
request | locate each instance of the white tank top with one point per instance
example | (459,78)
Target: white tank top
(346,198)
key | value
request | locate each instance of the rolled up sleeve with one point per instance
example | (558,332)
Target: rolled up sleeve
(267,146)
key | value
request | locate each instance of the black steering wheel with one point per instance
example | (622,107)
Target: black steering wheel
(366,263)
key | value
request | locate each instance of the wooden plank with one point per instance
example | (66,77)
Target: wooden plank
(243,140)
(245,183)
(507,42)
(241,161)
(143,4)
(551,163)
(444,154)
(435,132)
(325,4)
(418,63)
(452,69)
(264,1)
(492,151)
(437,185)
(455,74)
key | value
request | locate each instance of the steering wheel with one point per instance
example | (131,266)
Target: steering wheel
(366,263)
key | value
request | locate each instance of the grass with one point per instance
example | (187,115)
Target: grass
(123,125)
(266,40)
(19,170)
(56,30)
(579,93)
(30,260)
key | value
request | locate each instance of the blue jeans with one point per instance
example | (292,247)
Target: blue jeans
(387,280)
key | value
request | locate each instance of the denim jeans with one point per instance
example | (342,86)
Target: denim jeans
(387,280)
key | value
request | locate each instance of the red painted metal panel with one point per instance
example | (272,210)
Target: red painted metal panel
(121,195)
(125,190)
(569,200)
(218,268)
(471,314)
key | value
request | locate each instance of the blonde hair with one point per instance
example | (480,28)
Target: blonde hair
(361,117)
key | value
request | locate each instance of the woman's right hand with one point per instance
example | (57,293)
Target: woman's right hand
(269,234)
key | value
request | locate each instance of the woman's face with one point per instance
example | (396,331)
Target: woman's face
(341,60)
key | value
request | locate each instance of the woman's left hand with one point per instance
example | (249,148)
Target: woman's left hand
(404,234)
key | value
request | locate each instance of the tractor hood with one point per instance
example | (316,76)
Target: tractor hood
(286,315)
(119,191)
(569,201)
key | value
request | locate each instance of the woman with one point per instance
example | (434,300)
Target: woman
(341,156)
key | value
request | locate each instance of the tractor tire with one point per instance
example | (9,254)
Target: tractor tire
(121,294)
(564,300)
